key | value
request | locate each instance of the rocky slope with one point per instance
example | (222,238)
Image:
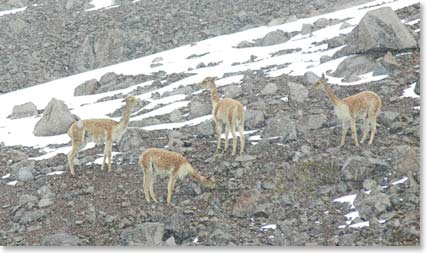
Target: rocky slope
(69,40)
(280,192)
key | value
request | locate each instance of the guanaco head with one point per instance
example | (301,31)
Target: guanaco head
(131,101)
(319,83)
(207,82)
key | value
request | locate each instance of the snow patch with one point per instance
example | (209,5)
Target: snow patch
(410,92)
(13,11)
(400,181)
(12,183)
(6,176)
(347,199)
(100,4)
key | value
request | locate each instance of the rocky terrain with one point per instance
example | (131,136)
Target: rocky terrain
(69,40)
(280,192)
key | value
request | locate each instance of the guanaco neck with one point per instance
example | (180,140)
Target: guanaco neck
(335,100)
(124,121)
(214,95)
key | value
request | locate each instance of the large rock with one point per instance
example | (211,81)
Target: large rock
(312,122)
(358,168)
(310,78)
(205,129)
(268,89)
(60,239)
(56,119)
(388,118)
(147,234)
(199,108)
(417,88)
(87,88)
(23,170)
(133,140)
(25,110)
(273,38)
(280,126)
(254,118)
(233,91)
(379,30)
(371,205)
(246,204)
(357,65)
(298,93)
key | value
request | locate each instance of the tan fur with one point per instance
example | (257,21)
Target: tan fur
(99,131)
(227,111)
(162,162)
(365,105)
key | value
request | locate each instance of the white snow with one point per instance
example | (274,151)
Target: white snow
(347,199)
(351,216)
(400,181)
(13,11)
(6,176)
(360,224)
(100,4)
(100,159)
(59,172)
(413,22)
(12,183)
(269,226)
(410,92)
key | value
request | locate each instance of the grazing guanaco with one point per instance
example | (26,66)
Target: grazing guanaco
(99,131)
(155,161)
(226,111)
(364,105)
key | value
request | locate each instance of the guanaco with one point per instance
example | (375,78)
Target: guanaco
(155,161)
(365,105)
(226,111)
(99,131)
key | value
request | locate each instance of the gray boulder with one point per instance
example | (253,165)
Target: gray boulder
(87,88)
(276,21)
(358,168)
(200,108)
(310,78)
(205,129)
(297,92)
(253,118)
(60,239)
(23,170)
(273,38)
(313,122)
(388,118)
(133,140)
(379,30)
(417,88)
(245,44)
(270,88)
(25,110)
(321,23)
(147,234)
(56,119)
(233,91)
(282,126)
(307,29)
(358,65)
(371,205)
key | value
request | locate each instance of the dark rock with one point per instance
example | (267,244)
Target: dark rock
(379,30)
(199,108)
(233,91)
(254,118)
(24,110)
(147,234)
(269,89)
(298,93)
(273,38)
(358,65)
(307,29)
(280,126)
(371,205)
(310,78)
(133,140)
(87,88)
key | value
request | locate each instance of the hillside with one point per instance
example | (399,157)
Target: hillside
(293,186)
